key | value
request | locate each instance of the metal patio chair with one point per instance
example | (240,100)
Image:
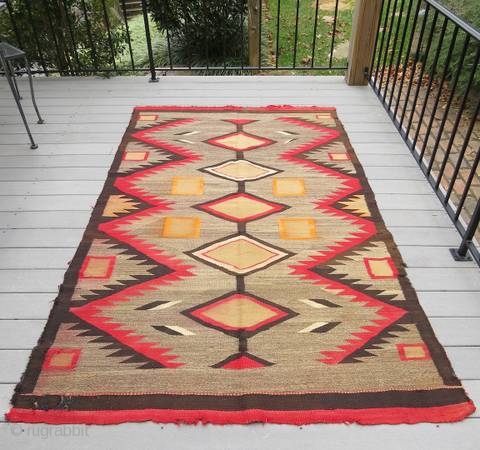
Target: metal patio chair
(8,55)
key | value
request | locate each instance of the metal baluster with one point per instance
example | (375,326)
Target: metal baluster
(242,32)
(334,32)
(463,150)
(315,26)
(54,36)
(260,7)
(430,81)
(414,66)
(127,30)
(109,35)
(400,52)
(14,24)
(440,89)
(151,62)
(295,40)
(394,46)
(384,28)
(420,78)
(35,37)
(277,45)
(460,253)
(66,10)
(449,103)
(470,178)
(387,47)
(375,56)
(457,119)
(407,56)
(89,34)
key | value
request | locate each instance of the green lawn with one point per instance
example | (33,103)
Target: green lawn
(286,36)
(306,24)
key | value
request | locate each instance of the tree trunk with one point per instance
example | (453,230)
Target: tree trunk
(253,32)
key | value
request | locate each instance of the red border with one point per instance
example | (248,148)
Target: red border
(371,416)
(169,108)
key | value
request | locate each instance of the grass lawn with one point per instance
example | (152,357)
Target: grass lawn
(306,25)
(468,10)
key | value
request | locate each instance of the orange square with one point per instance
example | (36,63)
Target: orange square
(61,358)
(409,352)
(339,156)
(181,227)
(147,117)
(288,187)
(188,185)
(297,228)
(98,267)
(135,156)
(380,268)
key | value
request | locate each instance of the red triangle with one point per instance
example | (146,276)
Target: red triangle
(242,362)
(240,121)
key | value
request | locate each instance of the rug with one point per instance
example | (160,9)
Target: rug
(236,269)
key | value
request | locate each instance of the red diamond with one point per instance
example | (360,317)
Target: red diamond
(240,141)
(241,207)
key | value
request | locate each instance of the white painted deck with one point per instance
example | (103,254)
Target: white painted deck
(46,198)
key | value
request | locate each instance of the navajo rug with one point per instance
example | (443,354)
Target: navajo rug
(236,269)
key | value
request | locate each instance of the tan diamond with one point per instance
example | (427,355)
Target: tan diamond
(240,255)
(241,170)
(240,141)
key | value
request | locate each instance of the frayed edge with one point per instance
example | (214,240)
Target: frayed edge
(371,416)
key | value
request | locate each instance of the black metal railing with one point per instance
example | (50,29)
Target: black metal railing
(426,72)
(84,37)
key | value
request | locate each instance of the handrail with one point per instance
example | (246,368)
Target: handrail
(434,102)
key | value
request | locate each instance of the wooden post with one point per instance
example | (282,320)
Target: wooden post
(253,31)
(364,28)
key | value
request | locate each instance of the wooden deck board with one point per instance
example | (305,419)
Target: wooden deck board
(46,198)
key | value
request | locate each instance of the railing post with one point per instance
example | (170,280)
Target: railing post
(461,253)
(364,27)
(153,73)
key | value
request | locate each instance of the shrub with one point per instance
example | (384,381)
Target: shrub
(201,29)
(469,11)
(57,35)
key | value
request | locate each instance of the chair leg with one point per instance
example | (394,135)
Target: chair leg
(14,78)
(30,80)
(33,145)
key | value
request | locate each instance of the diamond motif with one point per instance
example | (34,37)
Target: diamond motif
(240,170)
(241,207)
(240,141)
(239,254)
(239,314)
